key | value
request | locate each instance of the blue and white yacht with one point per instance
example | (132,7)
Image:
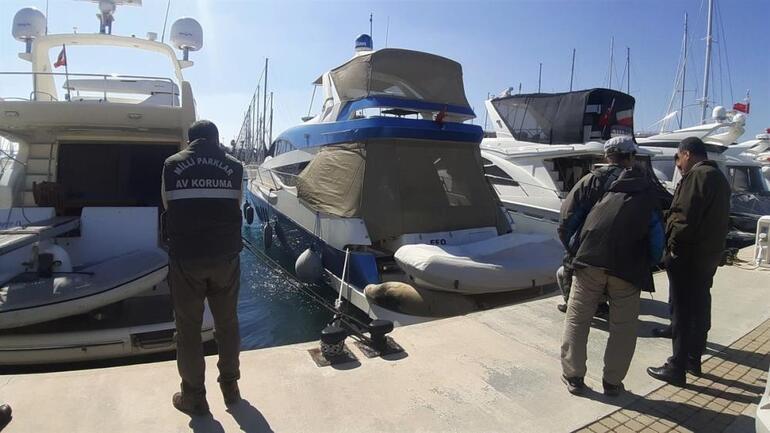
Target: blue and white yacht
(384,191)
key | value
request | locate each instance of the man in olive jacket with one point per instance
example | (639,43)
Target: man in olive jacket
(696,228)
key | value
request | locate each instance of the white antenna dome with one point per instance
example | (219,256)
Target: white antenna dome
(28,24)
(107,6)
(719,113)
(187,35)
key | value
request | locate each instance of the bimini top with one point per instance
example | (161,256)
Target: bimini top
(564,118)
(398,73)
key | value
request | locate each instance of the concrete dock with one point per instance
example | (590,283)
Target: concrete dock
(492,371)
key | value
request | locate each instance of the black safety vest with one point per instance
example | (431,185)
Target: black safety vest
(203,188)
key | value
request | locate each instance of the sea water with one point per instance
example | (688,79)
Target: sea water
(272,311)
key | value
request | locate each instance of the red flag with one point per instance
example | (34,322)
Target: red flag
(62,59)
(604,119)
(743,108)
(440,116)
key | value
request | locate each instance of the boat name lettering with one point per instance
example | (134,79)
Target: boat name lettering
(438,241)
(184,165)
(204,183)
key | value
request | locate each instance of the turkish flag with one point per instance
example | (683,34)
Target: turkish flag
(743,108)
(62,59)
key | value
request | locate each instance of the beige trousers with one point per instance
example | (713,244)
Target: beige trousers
(589,285)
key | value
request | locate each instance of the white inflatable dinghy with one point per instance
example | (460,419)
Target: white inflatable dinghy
(29,298)
(499,264)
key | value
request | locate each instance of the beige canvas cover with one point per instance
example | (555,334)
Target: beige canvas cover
(333,180)
(401,74)
(401,186)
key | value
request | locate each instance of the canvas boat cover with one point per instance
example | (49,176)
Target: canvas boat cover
(400,186)
(567,118)
(500,264)
(401,73)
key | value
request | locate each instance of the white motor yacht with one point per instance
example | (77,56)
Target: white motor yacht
(82,265)
(544,143)
(383,190)
(751,190)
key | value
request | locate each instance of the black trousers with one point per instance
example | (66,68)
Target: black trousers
(690,282)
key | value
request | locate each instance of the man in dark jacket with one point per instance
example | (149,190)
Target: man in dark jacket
(579,202)
(621,240)
(696,228)
(201,193)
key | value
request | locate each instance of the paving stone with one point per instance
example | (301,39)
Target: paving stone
(634,425)
(609,423)
(741,376)
(659,427)
(598,428)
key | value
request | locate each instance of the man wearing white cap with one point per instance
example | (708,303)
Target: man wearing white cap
(618,242)
(579,202)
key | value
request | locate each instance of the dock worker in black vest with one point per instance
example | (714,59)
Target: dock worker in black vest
(202,193)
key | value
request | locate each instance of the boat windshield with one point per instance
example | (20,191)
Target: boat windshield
(401,74)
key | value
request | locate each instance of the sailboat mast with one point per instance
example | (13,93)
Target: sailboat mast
(709,40)
(684,74)
(572,71)
(628,70)
(270,130)
(264,106)
(539,76)
(612,59)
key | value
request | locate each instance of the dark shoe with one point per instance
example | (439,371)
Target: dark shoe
(230,392)
(669,374)
(190,405)
(612,390)
(694,367)
(562,308)
(663,332)
(575,385)
(5,415)
(602,310)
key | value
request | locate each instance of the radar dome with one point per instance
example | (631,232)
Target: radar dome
(364,43)
(719,113)
(28,24)
(187,34)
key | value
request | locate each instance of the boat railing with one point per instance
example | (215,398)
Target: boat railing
(102,88)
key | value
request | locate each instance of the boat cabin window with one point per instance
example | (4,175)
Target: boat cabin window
(746,180)
(288,173)
(570,170)
(664,167)
(279,146)
(111,174)
(496,176)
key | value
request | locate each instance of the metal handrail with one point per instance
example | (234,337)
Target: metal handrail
(105,77)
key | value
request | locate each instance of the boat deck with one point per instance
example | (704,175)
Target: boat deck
(18,237)
(492,371)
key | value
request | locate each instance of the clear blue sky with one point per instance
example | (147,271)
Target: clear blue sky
(499,44)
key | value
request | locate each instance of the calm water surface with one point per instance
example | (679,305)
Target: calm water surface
(271,311)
